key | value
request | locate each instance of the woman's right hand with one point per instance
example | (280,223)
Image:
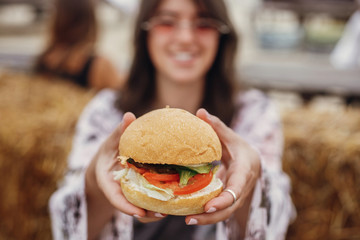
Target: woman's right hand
(103,193)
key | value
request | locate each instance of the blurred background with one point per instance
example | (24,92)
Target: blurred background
(304,53)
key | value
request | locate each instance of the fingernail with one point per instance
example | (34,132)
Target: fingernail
(159,215)
(137,216)
(192,222)
(211,210)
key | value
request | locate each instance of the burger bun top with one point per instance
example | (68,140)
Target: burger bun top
(170,136)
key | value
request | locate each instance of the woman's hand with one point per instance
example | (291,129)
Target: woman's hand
(239,172)
(103,194)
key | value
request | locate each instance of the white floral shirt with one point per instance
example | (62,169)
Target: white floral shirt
(257,122)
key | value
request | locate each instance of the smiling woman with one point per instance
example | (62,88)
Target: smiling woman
(184,58)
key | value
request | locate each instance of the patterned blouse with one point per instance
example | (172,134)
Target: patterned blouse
(257,122)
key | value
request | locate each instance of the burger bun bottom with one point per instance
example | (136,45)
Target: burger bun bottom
(181,205)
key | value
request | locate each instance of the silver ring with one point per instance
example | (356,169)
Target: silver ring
(232,193)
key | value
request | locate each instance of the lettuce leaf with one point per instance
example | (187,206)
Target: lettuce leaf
(185,175)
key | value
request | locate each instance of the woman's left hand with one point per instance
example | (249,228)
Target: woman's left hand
(239,172)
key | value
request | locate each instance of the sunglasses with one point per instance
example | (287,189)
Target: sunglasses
(200,26)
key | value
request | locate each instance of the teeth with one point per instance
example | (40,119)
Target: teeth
(183,56)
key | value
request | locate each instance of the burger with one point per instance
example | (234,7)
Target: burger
(170,157)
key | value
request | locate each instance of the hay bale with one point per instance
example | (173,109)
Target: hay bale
(322,158)
(36,128)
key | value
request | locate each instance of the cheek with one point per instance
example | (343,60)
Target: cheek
(155,47)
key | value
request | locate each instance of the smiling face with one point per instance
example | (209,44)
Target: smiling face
(182,43)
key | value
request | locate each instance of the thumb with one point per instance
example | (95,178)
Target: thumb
(127,119)
(224,132)
(113,139)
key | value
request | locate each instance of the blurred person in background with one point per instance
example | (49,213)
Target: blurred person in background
(184,58)
(346,54)
(71,50)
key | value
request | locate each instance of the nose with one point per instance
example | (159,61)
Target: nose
(185,31)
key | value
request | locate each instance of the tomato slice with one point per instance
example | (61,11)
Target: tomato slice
(161,177)
(197,182)
(139,170)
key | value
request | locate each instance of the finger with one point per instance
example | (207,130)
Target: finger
(226,135)
(113,140)
(151,214)
(151,217)
(113,193)
(127,119)
(221,173)
(241,184)
(209,218)
(148,220)
(216,210)
(223,201)
(204,115)
(224,132)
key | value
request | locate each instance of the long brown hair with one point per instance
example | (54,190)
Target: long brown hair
(220,82)
(73,22)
